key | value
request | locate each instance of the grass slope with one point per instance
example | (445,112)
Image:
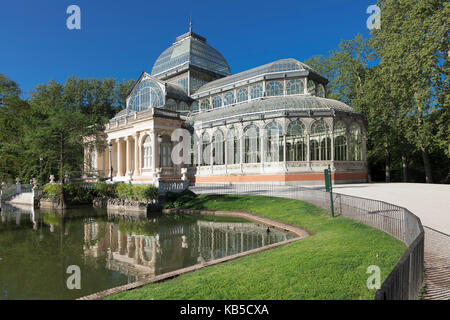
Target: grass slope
(330,264)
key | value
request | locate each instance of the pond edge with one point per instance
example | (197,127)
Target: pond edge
(299,233)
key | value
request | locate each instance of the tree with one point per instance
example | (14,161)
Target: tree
(55,129)
(413,45)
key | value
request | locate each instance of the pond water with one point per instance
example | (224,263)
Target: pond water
(37,247)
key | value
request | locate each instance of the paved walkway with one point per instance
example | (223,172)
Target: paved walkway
(431,203)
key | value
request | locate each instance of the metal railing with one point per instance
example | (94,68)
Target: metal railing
(405,280)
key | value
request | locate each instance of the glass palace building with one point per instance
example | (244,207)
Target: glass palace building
(269,124)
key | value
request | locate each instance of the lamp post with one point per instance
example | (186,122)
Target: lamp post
(110,145)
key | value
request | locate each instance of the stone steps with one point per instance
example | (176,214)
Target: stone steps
(23,198)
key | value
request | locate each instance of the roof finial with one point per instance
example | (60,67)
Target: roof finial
(190,22)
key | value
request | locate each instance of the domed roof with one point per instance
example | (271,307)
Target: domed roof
(191,49)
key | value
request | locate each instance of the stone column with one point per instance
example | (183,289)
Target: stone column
(119,158)
(128,155)
(136,154)
(284,152)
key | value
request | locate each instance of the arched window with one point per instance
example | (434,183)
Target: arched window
(296,141)
(228,98)
(273,142)
(218,147)
(166,152)
(355,142)
(295,86)
(171,104)
(204,105)
(274,88)
(340,141)
(206,149)
(242,95)
(311,87)
(147,94)
(256,91)
(233,147)
(217,102)
(320,90)
(147,154)
(251,144)
(194,106)
(183,107)
(319,141)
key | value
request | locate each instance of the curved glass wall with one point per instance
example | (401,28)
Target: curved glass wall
(320,90)
(274,88)
(256,91)
(217,102)
(319,141)
(183,107)
(148,94)
(273,142)
(311,87)
(228,98)
(296,141)
(295,86)
(251,144)
(233,147)
(204,105)
(218,145)
(171,104)
(340,141)
(242,95)
(206,149)
(355,142)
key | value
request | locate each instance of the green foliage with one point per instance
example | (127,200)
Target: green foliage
(142,193)
(74,193)
(103,189)
(177,200)
(51,191)
(51,123)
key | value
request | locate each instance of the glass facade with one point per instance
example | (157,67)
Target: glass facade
(147,94)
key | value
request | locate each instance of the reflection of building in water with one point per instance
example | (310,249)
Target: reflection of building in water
(21,214)
(220,239)
(175,246)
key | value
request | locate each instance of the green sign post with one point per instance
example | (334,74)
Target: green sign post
(329,188)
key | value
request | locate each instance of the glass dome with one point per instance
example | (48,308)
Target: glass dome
(192,49)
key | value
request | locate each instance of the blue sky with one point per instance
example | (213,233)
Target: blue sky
(120,39)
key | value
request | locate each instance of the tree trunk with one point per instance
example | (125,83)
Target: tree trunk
(62,202)
(387,169)
(405,169)
(427,165)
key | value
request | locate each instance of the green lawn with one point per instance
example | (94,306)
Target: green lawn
(330,264)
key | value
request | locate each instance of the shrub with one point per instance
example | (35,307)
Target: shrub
(125,191)
(103,189)
(73,193)
(145,193)
(51,191)
(142,193)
